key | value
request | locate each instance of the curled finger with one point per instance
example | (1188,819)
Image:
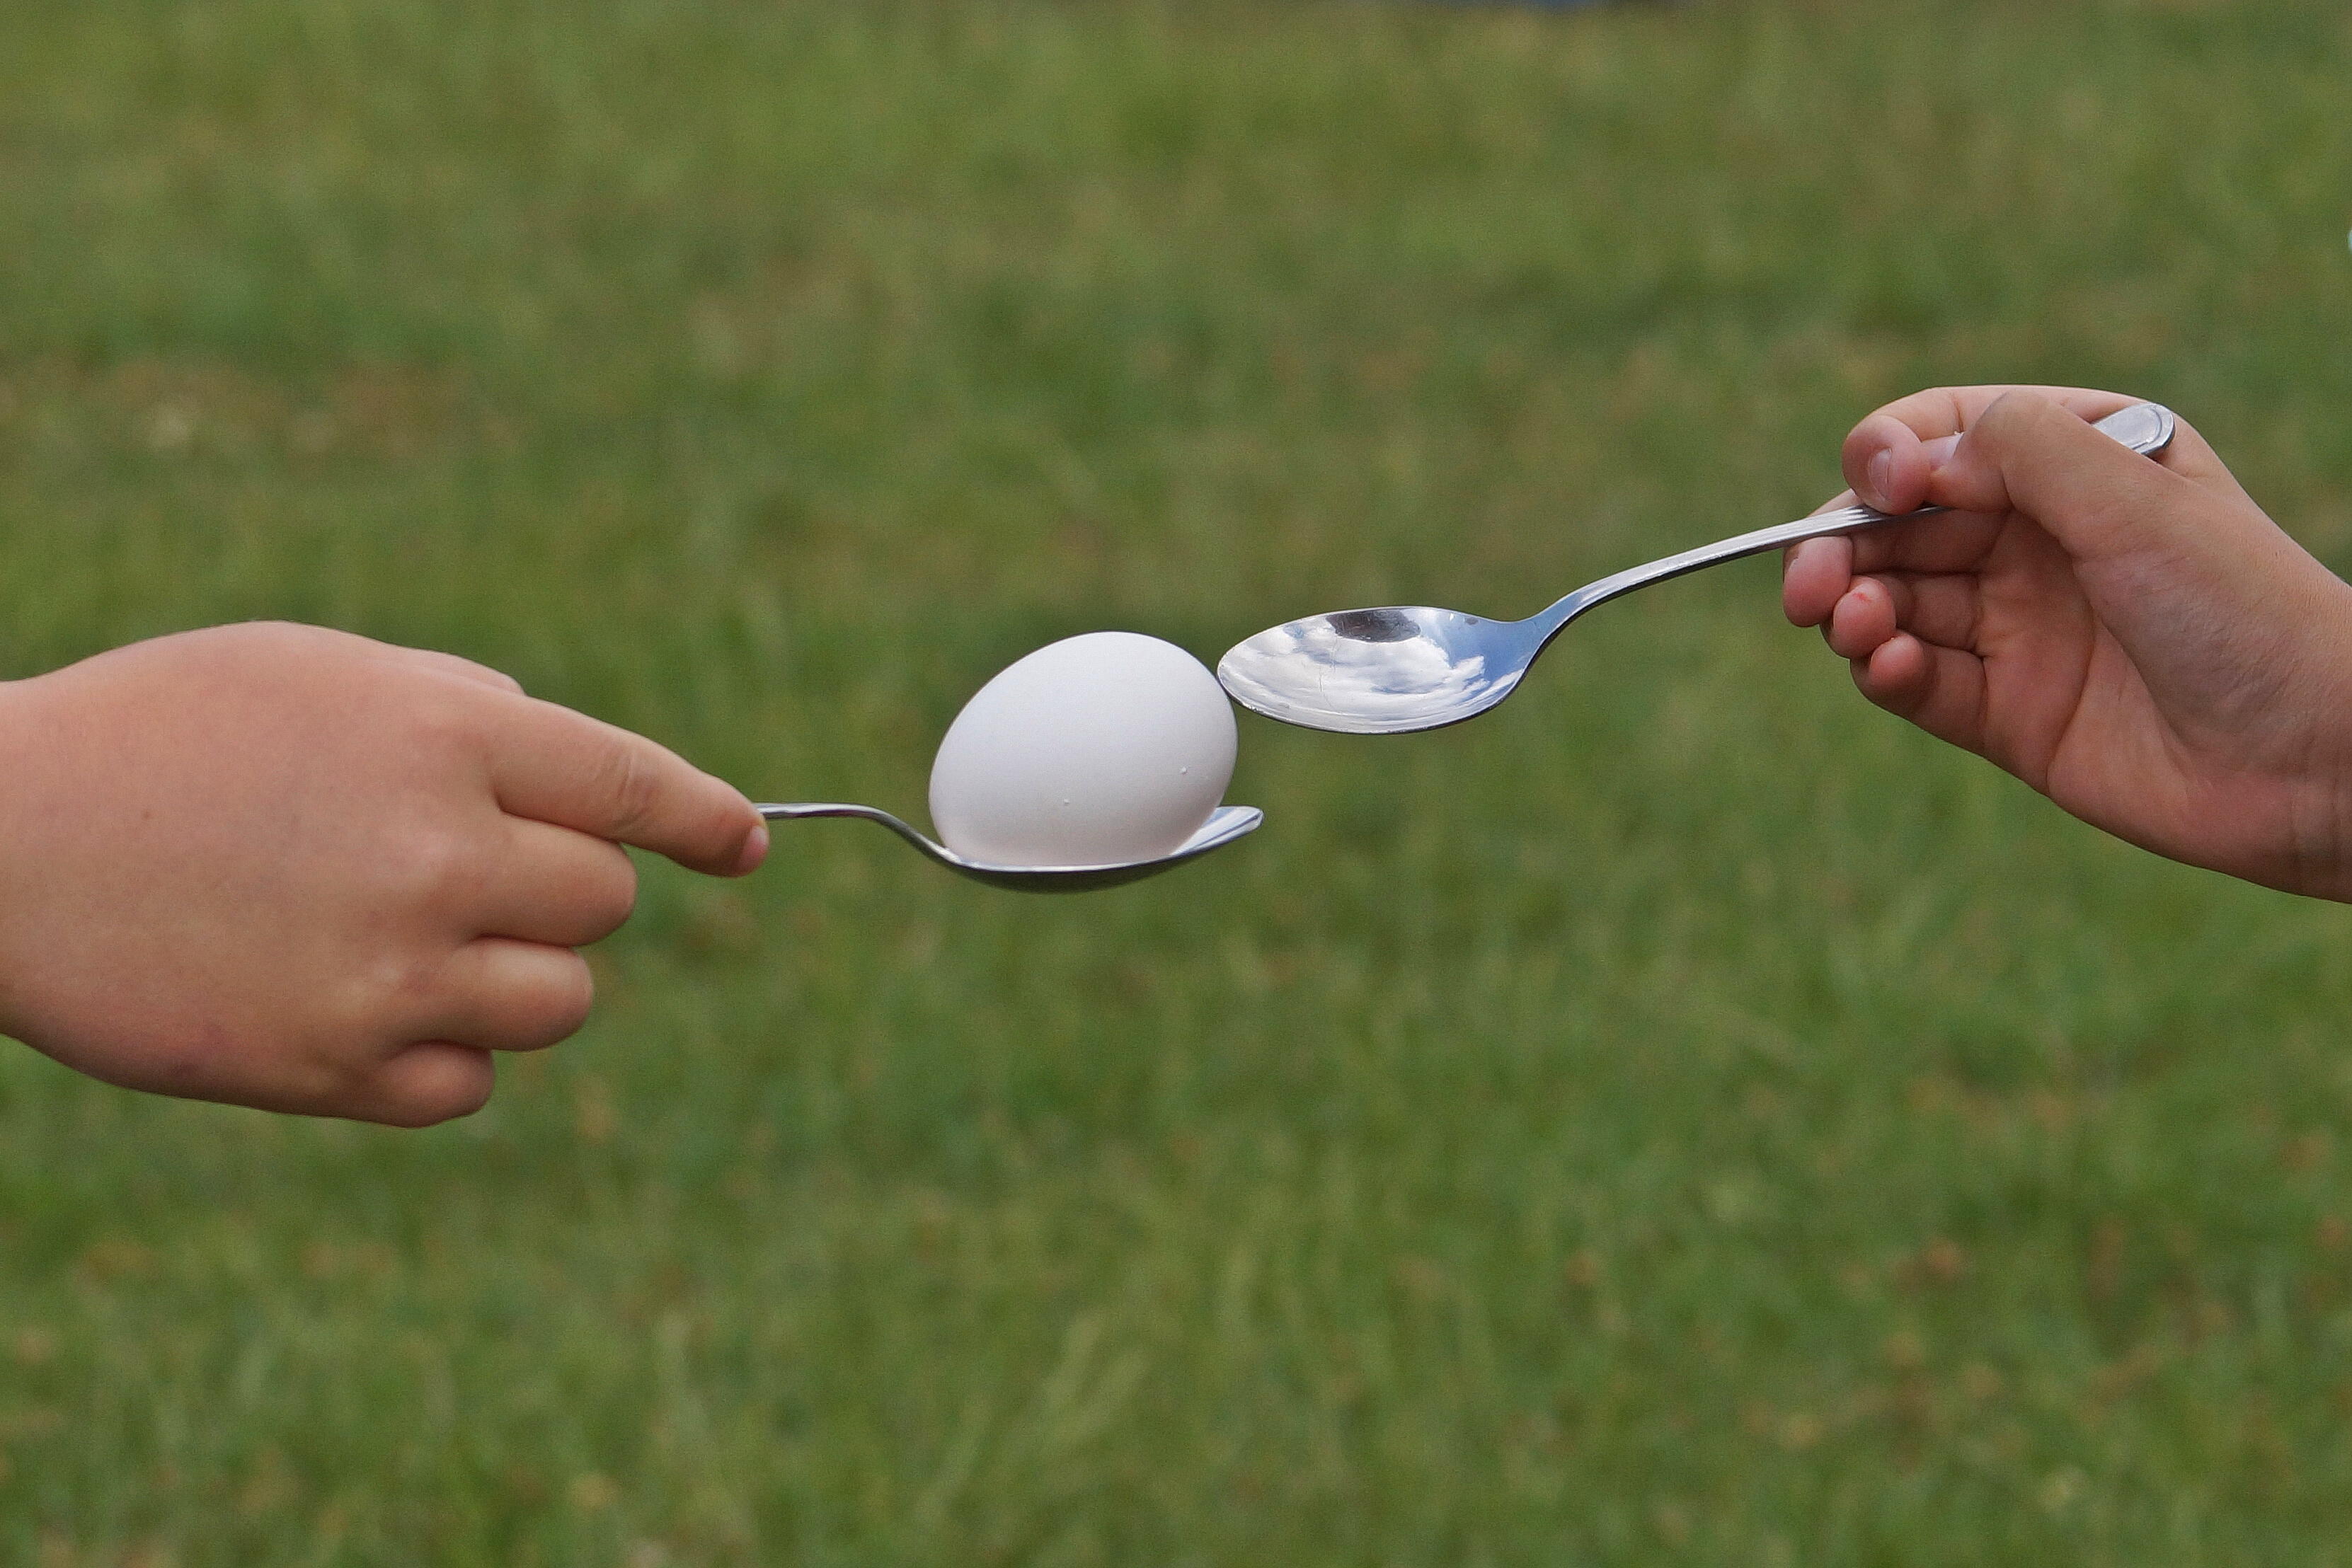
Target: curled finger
(431,1080)
(503,995)
(1814,574)
(1865,616)
(1941,690)
(557,886)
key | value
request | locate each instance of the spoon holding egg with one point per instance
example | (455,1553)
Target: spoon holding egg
(1094,762)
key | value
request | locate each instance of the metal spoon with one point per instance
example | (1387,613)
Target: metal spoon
(1224,825)
(1409,667)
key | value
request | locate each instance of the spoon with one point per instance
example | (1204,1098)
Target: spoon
(1225,825)
(1409,667)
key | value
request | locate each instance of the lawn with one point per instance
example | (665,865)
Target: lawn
(1683,1118)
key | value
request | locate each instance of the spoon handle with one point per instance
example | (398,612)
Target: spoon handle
(797,809)
(2145,427)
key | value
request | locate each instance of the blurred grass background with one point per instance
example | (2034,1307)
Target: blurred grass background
(1682,1118)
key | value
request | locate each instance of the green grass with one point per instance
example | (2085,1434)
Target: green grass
(1685,1118)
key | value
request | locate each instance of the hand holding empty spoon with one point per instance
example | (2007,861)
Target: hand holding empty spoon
(2137,640)
(1407,667)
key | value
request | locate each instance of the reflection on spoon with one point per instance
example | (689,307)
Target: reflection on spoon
(1427,668)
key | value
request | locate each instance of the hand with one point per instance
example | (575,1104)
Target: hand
(2133,638)
(289,868)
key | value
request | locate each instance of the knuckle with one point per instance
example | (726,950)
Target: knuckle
(441,736)
(579,997)
(450,712)
(480,674)
(287,647)
(614,898)
(440,870)
(2011,410)
(399,989)
(632,789)
(567,997)
(282,634)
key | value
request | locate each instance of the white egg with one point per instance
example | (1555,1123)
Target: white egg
(1096,750)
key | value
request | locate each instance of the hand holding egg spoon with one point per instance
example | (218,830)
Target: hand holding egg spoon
(1096,760)
(1411,667)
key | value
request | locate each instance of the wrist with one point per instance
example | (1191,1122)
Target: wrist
(2323,814)
(20,751)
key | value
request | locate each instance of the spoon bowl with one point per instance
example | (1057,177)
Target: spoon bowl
(1407,667)
(1381,672)
(1225,825)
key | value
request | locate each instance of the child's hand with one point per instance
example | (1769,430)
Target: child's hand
(2133,638)
(290,868)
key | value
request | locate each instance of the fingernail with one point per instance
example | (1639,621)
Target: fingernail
(1939,450)
(755,850)
(1880,477)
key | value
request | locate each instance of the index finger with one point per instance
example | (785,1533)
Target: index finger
(1887,456)
(1949,410)
(554,765)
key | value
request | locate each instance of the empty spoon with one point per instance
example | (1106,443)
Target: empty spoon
(1224,825)
(1409,667)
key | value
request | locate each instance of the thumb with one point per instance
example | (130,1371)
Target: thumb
(2097,497)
